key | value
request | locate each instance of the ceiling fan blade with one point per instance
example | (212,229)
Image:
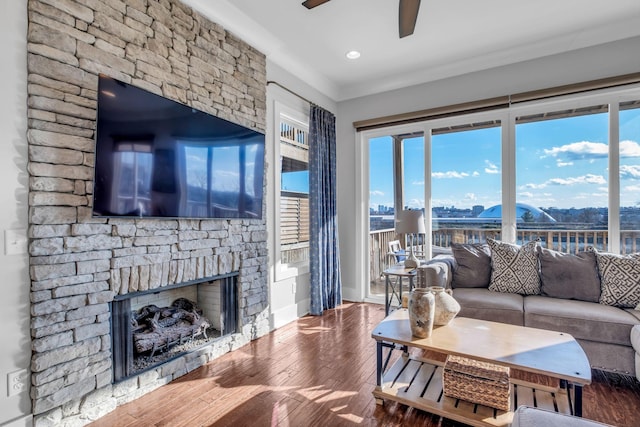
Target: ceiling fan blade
(310,4)
(408,15)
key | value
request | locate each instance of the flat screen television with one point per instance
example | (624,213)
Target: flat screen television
(158,158)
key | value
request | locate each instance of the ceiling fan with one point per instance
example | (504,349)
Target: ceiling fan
(408,14)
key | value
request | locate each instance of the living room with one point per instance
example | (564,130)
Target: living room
(597,61)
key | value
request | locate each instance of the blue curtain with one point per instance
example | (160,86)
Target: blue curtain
(326,287)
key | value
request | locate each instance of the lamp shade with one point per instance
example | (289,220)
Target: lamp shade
(410,222)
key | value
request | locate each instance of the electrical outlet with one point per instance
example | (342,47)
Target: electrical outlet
(17,382)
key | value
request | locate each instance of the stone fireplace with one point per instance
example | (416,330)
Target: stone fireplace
(153,327)
(80,265)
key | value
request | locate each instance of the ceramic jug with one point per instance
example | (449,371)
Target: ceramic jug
(446,307)
(421,312)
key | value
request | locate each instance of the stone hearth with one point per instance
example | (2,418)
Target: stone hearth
(79,264)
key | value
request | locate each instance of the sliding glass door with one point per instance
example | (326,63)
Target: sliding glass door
(395,182)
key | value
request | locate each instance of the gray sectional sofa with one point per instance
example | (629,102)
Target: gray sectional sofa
(570,297)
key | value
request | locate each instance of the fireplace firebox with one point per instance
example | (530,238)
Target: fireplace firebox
(153,327)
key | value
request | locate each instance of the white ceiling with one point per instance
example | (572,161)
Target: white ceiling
(452,37)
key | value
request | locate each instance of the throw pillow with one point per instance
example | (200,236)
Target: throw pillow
(569,276)
(514,268)
(473,268)
(619,279)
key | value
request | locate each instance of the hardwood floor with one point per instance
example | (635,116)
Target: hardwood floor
(318,371)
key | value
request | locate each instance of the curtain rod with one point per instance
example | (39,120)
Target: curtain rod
(290,91)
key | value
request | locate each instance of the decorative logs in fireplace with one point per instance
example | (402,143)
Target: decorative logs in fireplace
(157,329)
(147,327)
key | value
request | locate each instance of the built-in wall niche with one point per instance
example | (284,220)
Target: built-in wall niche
(154,327)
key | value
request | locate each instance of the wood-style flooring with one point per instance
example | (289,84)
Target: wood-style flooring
(318,371)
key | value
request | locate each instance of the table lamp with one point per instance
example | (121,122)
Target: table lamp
(410,222)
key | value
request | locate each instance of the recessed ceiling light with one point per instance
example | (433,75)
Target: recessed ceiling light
(353,54)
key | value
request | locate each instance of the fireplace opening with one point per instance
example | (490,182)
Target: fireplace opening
(153,327)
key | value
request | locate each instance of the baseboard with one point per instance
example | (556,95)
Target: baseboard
(26,421)
(289,313)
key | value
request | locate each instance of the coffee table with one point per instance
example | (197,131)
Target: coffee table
(417,381)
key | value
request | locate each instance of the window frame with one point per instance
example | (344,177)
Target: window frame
(298,118)
(507,116)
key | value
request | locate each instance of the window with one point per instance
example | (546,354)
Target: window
(466,187)
(564,170)
(396,182)
(294,192)
(562,165)
(629,152)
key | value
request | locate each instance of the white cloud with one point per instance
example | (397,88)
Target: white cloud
(584,179)
(534,186)
(587,150)
(376,193)
(632,188)
(418,183)
(561,164)
(491,168)
(475,174)
(450,174)
(629,172)
(629,148)
(470,197)
(579,150)
(526,194)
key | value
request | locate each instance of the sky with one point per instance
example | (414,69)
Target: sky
(560,163)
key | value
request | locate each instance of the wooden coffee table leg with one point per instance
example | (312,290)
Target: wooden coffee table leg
(379,369)
(577,410)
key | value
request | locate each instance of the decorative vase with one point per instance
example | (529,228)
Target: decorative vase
(446,307)
(421,312)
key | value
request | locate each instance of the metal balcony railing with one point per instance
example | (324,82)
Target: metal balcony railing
(567,241)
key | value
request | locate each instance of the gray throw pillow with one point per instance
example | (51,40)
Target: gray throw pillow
(514,268)
(569,276)
(619,279)
(473,268)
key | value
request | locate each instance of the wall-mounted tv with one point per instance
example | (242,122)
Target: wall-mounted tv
(158,158)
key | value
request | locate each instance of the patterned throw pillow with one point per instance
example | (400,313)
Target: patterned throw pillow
(619,279)
(514,269)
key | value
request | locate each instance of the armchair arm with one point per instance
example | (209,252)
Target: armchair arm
(436,272)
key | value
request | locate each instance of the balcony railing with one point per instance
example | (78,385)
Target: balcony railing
(567,241)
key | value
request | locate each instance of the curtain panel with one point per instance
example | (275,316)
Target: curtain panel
(326,286)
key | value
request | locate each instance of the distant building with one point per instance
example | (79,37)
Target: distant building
(477,210)
(522,211)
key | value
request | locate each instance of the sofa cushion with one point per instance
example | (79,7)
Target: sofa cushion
(584,320)
(473,265)
(569,276)
(487,305)
(514,268)
(609,357)
(619,279)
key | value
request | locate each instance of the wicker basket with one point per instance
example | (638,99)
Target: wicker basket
(477,382)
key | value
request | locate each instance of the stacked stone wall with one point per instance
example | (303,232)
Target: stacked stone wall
(79,263)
